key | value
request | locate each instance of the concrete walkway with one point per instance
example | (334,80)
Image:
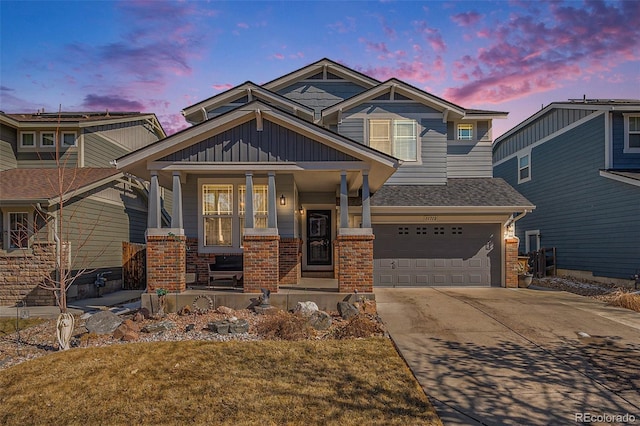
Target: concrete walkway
(500,356)
(77,307)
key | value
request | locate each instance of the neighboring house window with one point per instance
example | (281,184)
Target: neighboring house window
(632,133)
(395,137)
(27,139)
(224,219)
(524,167)
(465,132)
(18,230)
(68,139)
(47,139)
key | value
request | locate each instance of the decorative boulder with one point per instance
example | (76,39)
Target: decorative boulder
(347,310)
(320,320)
(159,327)
(305,309)
(229,326)
(103,322)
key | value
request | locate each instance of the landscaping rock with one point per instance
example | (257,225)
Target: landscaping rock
(269,310)
(224,310)
(347,310)
(305,308)
(190,327)
(145,313)
(138,317)
(320,320)
(103,322)
(229,326)
(159,326)
(130,336)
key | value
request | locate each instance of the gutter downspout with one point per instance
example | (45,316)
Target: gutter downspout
(512,220)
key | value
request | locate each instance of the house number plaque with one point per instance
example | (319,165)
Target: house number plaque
(431,218)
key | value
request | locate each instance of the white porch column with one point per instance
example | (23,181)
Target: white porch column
(176,212)
(272,215)
(344,201)
(153,214)
(366,204)
(248,201)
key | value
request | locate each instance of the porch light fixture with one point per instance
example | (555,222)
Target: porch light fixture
(283,200)
(300,210)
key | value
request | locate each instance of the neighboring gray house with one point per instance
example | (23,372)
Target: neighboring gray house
(579,162)
(368,182)
(102,206)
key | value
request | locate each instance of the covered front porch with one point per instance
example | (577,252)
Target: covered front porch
(286,196)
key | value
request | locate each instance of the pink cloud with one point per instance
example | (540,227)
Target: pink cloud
(222,87)
(410,71)
(466,19)
(172,123)
(278,56)
(529,54)
(343,27)
(431,35)
(242,25)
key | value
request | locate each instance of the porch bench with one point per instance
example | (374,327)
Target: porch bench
(227,267)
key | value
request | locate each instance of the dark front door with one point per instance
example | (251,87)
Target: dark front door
(319,237)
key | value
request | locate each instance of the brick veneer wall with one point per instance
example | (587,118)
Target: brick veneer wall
(166,262)
(21,275)
(290,261)
(261,253)
(354,263)
(510,262)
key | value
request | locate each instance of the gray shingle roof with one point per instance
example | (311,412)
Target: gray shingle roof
(458,192)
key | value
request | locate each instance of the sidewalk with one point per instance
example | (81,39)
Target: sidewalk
(77,307)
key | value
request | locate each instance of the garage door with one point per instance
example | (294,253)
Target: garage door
(437,255)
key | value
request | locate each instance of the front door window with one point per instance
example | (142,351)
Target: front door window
(319,237)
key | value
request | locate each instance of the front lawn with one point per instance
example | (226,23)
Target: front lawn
(354,381)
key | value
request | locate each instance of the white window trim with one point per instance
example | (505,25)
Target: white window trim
(75,139)
(527,235)
(522,154)
(627,148)
(35,140)
(236,245)
(6,228)
(392,122)
(42,134)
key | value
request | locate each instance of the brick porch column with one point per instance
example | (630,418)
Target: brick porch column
(354,262)
(261,270)
(290,262)
(166,260)
(510,262)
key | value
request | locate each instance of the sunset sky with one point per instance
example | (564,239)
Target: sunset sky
(160,57)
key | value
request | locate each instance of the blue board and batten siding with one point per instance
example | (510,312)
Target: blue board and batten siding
(321,94)
(591,220)
(244,143)
(549,123)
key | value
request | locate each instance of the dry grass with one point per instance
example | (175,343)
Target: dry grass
(626,300)
(267,382)
(284,326)
(358,326)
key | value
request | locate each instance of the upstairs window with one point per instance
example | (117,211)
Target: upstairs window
(395,137)
(465,132)
(68,139)
(632,133)
(524,168)
(28,139)
(47,139)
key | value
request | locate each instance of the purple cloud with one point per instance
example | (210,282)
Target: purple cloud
(530,54)
(466,19)
(114,103)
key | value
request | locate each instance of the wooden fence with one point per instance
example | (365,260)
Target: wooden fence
(134,266)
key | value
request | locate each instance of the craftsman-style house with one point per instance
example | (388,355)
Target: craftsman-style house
(49,159)
(328,172)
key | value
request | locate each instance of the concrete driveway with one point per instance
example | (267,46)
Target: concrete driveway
(500,356)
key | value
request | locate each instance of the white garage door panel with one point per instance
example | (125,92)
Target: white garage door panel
(442,255)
